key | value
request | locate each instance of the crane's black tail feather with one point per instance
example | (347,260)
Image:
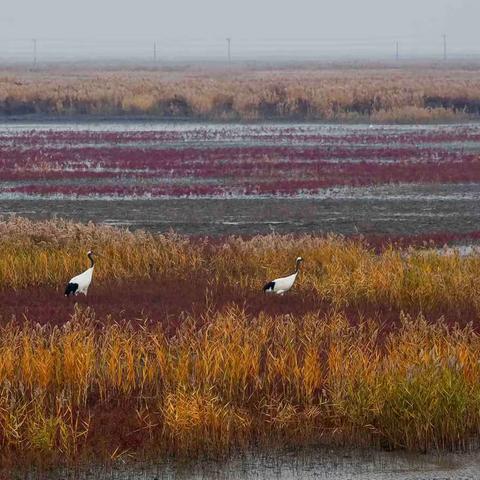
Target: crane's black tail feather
(269,287)
(71,289)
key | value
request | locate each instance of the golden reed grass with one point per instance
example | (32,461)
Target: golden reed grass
(235,381)
(340,271)
(227,379)
(414,93)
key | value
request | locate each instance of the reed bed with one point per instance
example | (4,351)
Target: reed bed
(343,272)
(116,390)
(414,93)
(226,378)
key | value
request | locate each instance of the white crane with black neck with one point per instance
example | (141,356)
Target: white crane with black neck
(283,284)
(80,283)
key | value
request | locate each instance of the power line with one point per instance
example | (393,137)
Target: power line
(27,50)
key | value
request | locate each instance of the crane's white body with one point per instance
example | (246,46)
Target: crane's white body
(83,281)
(283,284)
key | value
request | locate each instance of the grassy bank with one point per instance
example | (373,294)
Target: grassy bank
(413,93)
(335,361)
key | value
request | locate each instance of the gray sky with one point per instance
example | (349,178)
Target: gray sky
(198,26)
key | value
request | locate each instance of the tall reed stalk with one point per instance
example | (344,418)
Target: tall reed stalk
(234,381)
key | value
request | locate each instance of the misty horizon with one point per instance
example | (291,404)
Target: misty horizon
(304,29)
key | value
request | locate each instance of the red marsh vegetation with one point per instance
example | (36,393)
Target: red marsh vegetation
(223,161)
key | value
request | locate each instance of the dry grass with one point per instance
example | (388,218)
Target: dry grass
(382,94)
(226,379)
(340,271)
(235,381)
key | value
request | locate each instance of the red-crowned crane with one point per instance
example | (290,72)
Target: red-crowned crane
(284,284)
(80,283)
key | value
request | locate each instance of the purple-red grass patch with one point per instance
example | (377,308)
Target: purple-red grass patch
(232,161)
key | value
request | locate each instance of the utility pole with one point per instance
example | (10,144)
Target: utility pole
(228,50)
(444,46)
(34,52)
(397,52)
(155,52)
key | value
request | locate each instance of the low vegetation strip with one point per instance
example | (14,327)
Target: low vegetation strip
(222,161)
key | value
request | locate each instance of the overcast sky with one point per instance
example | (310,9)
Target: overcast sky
(372,23)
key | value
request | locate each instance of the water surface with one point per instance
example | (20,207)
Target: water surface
(287,465)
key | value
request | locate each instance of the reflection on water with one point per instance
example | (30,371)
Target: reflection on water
(319,464)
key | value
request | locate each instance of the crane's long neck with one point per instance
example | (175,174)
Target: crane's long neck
(297,266)
(90,257)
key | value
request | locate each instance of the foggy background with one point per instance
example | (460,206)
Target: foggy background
(259,29)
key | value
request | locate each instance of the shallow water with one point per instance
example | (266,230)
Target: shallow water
(303,464)
(391,210)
